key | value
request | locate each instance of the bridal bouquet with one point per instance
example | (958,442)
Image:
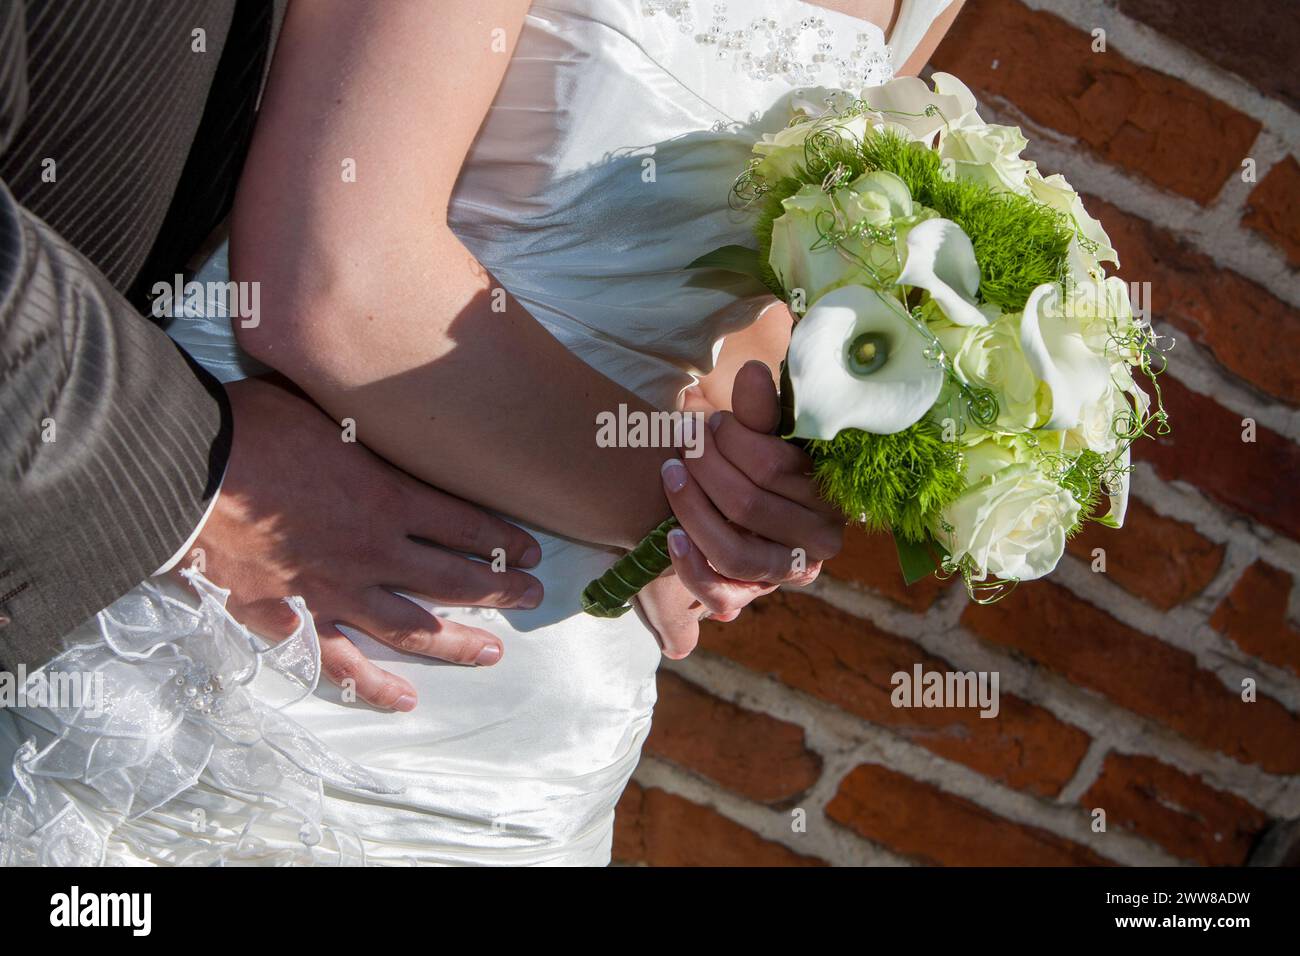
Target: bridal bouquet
(961,369)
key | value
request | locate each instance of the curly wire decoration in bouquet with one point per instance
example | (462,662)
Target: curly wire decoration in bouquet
(961,370)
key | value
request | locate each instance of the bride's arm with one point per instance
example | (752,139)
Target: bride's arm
(765,340)
(377,310)
(921,55)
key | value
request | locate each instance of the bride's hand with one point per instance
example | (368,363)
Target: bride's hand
(674,613)
(748,508)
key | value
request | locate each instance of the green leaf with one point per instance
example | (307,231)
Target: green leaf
(731,259)
(915,558)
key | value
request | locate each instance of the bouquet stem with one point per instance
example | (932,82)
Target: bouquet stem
(610,595)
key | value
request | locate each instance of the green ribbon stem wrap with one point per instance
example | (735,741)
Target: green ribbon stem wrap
(610,595)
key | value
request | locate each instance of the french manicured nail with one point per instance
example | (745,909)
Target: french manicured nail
(674,473)
(405,703)
(714,421)
(532,595)
(531,556)
(678,544)
(488,656)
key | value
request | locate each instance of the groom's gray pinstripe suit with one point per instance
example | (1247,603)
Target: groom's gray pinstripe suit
(120,145)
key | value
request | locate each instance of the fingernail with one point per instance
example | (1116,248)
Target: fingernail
(405,703)
(488,656)
(678,544)
(674,473)
(714,421)
(532,595)
(531,556)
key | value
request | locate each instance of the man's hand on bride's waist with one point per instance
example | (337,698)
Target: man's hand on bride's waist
(302,512)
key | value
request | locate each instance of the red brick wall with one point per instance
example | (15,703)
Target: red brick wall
(1121,691)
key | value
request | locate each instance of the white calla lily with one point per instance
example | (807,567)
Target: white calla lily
(1119,496)
(834,389)
(903,101)
(816,101)
(1054,345)
(941,260)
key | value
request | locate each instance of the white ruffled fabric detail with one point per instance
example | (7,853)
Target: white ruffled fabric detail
(178,715)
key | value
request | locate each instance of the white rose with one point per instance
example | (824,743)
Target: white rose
(1105,317)
(802,259)
(1010,521)
(1096,429)
(783,153)
(1056,192)
(986,153)
(990,356)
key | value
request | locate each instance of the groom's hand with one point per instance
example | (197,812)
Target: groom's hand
(302,512)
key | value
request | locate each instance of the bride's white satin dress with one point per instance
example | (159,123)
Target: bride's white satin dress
(602,169)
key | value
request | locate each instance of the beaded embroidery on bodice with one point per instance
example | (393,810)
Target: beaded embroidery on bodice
(803,52)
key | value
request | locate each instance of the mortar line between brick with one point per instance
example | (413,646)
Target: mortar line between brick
(863,742)
(1192,364)
(1185,502)
(1092,712)
(1014,806)
(1150,48)
(1086,774)
(820,840)
(1185,628)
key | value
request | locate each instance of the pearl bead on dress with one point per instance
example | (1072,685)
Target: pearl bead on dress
(802,54)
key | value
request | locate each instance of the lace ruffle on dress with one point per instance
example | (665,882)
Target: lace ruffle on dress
(178,699)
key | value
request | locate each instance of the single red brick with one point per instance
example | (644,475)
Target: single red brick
(1254,616)
(1248,329)
(1183,814)
(872,560)
(661,829)
(1205,449)
(1128,114)
(1253,41)
(920,821)
(1160,560)
(848,662)
(1273,209)
(1088,647)
(753,754)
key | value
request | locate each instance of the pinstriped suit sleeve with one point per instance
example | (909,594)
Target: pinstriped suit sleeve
(111,440)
